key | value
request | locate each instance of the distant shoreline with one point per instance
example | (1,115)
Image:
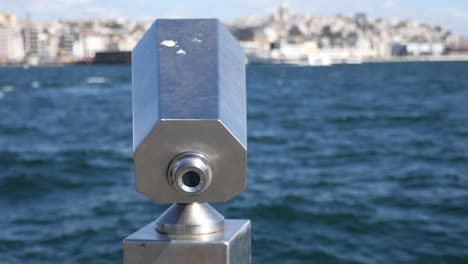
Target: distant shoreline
(444,58)
(431,58)
(447,58)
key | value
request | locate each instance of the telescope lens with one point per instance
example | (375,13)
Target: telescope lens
(190,173)
(191,179)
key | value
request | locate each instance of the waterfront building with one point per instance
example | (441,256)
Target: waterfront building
(11,40)
(31,39)
(66,41)
(93,42)
(419,49)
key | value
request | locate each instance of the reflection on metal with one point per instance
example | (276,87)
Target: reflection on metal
(190,219)
(189,142)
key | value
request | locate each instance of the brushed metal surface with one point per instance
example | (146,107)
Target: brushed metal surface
(169,139)
(190,219)
(231,246)
(189,95)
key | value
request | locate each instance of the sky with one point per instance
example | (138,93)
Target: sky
(451,14)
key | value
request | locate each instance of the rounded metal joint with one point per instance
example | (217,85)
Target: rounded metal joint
(190,173)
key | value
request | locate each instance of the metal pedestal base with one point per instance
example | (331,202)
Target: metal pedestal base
(190,219)
(229,246)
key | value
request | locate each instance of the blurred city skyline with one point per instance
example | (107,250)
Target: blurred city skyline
(452,14)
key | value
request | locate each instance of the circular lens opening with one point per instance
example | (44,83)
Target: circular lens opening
(191,179)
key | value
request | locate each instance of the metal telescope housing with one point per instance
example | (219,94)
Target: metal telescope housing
(189,112)
(189,142)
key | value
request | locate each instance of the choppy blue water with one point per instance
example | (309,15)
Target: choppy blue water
(347,164)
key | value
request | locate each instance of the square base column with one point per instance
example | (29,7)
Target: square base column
(231,246)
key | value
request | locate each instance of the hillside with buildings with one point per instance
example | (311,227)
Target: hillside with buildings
(282,37)
(57,42)
(306,39)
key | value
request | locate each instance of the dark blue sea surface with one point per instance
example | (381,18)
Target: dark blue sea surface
(347,164)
